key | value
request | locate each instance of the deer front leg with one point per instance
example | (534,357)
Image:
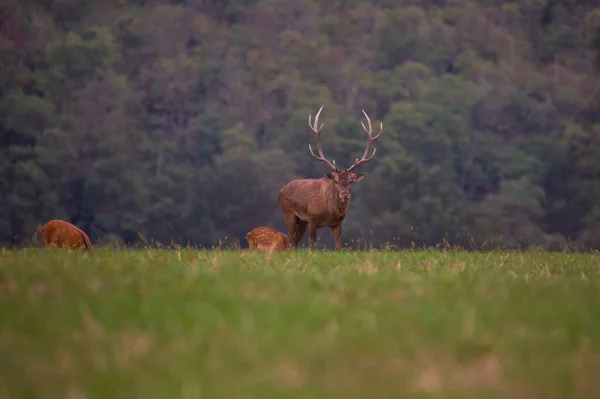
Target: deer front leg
(312,235)
(337,233)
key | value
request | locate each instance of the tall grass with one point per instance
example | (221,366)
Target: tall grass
(233,324)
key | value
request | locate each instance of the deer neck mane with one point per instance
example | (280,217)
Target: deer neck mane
(339,208)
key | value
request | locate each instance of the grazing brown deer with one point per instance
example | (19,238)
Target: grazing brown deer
(322,202)
(60,234)
(266,238)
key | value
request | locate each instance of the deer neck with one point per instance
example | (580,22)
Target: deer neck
(340,208)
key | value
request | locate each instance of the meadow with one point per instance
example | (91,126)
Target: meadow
(232,324)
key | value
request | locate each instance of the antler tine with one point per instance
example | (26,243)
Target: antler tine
(370,140)
(314,128)
(317,131)
(370,130)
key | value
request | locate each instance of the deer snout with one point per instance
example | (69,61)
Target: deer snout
(345,195)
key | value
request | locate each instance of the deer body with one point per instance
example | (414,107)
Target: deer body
(313,199)
(60,234)
(267,238)
(318,203)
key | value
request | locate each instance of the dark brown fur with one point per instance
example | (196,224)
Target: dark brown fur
(316,203)
(268,239)
(323,202)
(60,234)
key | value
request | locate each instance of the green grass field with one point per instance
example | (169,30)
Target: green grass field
(224,324)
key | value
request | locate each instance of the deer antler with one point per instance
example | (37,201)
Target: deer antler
(370,140)
(317,131)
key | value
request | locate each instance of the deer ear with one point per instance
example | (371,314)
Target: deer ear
(329,175)
(356,177)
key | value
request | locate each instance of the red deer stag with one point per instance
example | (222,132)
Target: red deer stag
(268,239)
(60,234)
(322,202)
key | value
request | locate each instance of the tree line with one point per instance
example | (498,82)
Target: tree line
(179,121)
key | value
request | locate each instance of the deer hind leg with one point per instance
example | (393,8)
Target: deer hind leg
(291,222)
(300,229)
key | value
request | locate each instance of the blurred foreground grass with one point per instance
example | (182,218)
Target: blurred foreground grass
(219,324)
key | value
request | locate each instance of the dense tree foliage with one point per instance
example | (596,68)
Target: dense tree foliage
(178,121)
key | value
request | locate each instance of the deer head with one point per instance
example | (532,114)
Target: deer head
(343,179)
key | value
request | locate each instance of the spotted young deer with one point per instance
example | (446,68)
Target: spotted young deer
(323,202)
(60,234)
(267,238)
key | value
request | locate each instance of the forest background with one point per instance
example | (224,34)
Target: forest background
(179,121)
